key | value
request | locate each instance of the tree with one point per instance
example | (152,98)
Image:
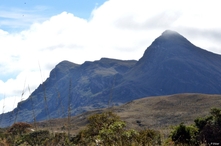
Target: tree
(103,128)
(184,135)
(149,137)
(209,128)
(107,129)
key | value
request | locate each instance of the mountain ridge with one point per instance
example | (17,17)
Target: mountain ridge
(170,65)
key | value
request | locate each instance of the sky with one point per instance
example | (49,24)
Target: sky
(36,35)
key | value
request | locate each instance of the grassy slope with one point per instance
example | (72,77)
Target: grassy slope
(151,112)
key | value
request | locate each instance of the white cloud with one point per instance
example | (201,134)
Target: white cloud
(8,107)
(120,29)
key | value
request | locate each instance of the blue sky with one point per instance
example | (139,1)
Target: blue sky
(19,12)
(46,32)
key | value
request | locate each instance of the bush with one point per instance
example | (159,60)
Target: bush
(185,135)
(107,129)
(149,137)
(102,128)
(209,128)
(19,128)
(34,138)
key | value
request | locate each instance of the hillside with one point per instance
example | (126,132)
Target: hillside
(170,65)
(159,112)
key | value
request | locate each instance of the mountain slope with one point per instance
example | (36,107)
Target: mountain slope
(80,87)
(174,65)
(170,65)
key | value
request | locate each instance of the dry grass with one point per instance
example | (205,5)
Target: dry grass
(163,111)
(151,112)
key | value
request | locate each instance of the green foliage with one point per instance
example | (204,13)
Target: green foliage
(102,128)
(209,128)
(129,137)
(34,138)
(16,131)
(149,137)
(107,129)
(206,131)
(201,122)
(2,131)
(60,139)
(185,135)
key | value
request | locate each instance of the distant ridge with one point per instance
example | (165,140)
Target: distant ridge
(170,65)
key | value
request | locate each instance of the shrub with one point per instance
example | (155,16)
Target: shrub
(209,128)
(19,128)
(184,135)
(34,138)
(149,137)
(102,128)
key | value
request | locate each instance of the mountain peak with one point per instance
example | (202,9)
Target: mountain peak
(169,33)
(169,45)
(171,38)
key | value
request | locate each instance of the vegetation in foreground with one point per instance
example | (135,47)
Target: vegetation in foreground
(107,129)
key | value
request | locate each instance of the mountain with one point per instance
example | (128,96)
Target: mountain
(80,87)
(170,65)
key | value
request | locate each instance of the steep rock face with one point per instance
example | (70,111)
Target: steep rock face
(170,65)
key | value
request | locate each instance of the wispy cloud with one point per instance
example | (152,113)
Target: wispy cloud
(21,18)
